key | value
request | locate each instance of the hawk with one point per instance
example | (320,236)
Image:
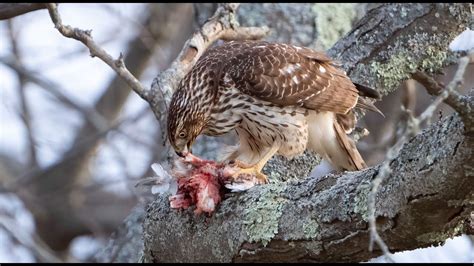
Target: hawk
(279,98)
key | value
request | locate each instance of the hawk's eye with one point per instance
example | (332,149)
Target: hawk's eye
(182,134)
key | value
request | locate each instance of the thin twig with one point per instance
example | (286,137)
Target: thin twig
(412,128)
(455,82)
(457,101)
(95,50)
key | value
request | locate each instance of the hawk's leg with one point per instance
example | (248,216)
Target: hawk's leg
(247,171)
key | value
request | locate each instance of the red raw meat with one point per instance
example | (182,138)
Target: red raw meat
(202,185)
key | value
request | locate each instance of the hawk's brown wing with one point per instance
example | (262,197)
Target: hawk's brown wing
(289,75)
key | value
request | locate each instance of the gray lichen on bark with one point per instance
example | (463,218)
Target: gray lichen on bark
(392,49)
(280,169)
(290,23)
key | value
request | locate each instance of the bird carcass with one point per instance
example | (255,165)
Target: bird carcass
(193,181)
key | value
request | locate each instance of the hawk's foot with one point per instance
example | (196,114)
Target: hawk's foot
(242,176)
(246,168)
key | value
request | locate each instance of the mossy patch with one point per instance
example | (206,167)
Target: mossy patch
(361,198)
(262,217)
(411,57)
(333,20)
(311,229)
(397,68)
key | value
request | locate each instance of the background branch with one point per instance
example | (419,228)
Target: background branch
(10,10)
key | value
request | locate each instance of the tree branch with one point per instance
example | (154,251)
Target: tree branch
(458,102)
(412,128)
(25,113)
(11,10)
(85,37)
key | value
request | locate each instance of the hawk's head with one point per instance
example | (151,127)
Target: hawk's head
(186,120)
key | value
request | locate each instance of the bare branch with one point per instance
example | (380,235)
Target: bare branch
(10,10)
(457,80)
(448,93)
(95,50)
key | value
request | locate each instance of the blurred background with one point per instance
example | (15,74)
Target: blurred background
(74,140)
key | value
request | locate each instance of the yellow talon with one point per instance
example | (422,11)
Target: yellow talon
(246,170)
(247,176)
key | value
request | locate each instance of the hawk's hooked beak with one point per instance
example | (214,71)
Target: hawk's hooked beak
(186,150)
(188,147)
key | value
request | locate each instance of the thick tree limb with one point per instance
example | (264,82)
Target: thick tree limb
(10,10)
(427,198)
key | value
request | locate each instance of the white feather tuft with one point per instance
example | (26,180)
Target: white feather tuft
(160,188)
(160,171)
(162,183)
(241,186)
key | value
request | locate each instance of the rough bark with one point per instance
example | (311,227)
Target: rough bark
(427,199)
(11,10)
(126,243)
